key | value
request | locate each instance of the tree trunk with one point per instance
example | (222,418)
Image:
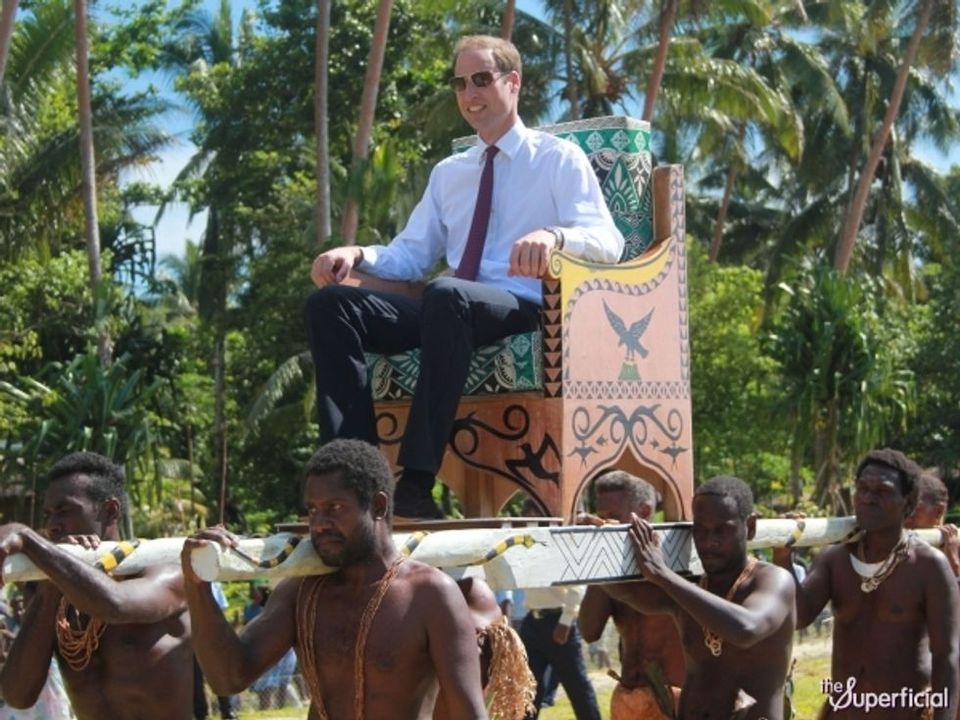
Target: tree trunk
(722,214)
(851,223)
(668,14)
(572,95)
(321,119)
(89,180)
(219,414)
(368,106)
(796,463)
(506,25)
(6,32)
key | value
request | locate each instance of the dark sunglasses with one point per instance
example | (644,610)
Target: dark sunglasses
(458,83)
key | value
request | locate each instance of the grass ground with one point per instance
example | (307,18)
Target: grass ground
(813,665)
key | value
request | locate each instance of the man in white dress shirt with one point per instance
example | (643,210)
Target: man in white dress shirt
(544,196)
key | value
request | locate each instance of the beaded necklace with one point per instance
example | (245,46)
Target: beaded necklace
(873,574)
(77,644)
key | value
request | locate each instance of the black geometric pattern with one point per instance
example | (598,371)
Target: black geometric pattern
(590,554)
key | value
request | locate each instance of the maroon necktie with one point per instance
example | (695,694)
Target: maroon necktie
(470,261)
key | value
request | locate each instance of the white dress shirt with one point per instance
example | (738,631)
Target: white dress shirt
(539,181)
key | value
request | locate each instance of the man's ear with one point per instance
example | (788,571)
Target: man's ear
(646,511)
(379,505)
(751,526)
(110,511)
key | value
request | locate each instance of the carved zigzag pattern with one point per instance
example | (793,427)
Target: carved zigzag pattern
(592,554)
(678,213)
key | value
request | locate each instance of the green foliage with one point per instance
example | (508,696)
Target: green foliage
(736,424)
(844,371)
(86,407)
(789,385)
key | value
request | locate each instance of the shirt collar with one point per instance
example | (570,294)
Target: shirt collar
(509,143)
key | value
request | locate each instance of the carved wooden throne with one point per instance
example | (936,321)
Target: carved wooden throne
(607,381)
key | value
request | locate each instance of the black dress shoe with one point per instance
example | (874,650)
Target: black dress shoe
(422,508)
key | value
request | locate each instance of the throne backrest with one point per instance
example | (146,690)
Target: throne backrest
(619,151)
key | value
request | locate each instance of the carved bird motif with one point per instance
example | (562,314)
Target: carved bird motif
(629,337)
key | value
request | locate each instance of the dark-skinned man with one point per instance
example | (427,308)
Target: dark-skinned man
(895,605)
(931,509)
(651,656)
(736,625)
(373,638)
(123,647)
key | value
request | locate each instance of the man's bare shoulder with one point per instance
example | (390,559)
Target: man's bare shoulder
(832,554)
(930,561)
(426,578)
(773,575)
(287,590)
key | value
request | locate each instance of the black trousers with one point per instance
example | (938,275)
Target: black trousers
(566,661)
(453,317)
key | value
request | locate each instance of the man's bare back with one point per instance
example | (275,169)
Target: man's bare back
(647,641)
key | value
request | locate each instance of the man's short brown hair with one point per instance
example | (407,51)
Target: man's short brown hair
(505,53)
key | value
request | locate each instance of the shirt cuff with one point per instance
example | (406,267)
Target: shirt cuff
(368,256)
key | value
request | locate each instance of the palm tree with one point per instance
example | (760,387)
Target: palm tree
(854,215)
(506,26)
(321,121)
(368,107)
(201,43)
(40,177)
(89,179)
(667,16)
(6,32)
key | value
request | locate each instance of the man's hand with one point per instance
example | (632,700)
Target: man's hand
(530,254)
(585,518)
(333,266)
(646,548)
(11,541)
(951,547)
(87,542)
(202,538)
(561,633)
(783,556)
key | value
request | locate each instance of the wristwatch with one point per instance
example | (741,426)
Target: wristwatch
(557,235)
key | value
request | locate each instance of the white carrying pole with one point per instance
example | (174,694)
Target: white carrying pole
(522,557)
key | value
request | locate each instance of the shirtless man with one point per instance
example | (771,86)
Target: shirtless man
(373,637)
(890,594)
(736,625)
(647,644)
(932,499)
(142,667)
